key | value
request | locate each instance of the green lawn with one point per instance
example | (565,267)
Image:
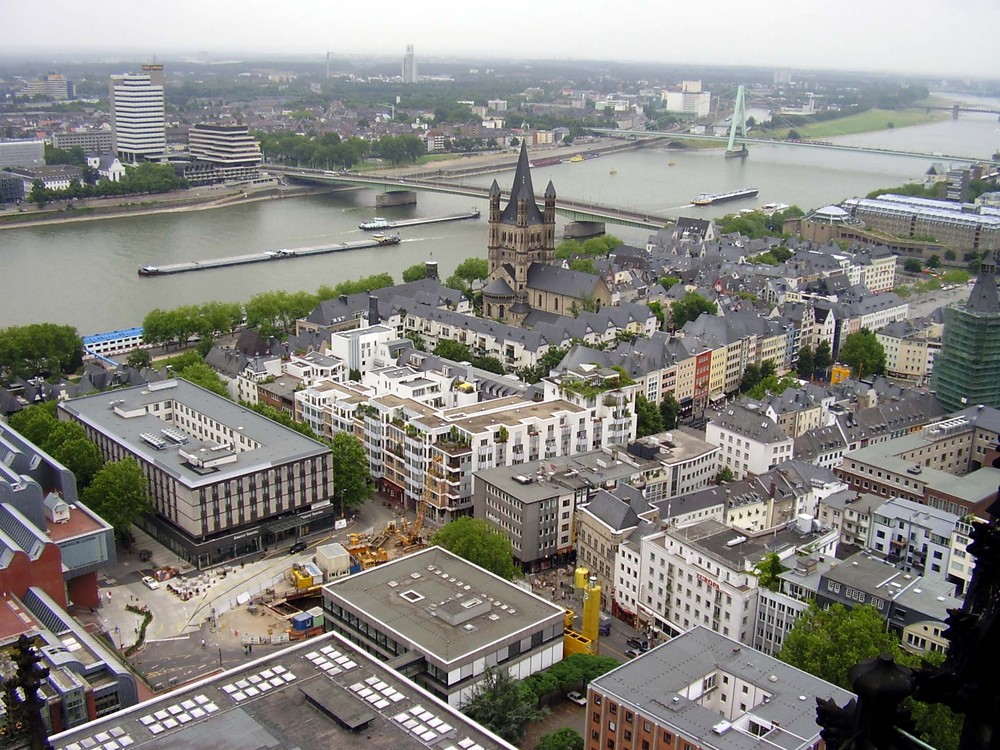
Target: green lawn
(863,122)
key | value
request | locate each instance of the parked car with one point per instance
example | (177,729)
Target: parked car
(631,653)
(638,643)
(297,547)
(150,582)
(577,698)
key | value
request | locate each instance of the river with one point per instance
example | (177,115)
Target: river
(84,274)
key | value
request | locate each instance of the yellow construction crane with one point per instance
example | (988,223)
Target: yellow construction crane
(408,535)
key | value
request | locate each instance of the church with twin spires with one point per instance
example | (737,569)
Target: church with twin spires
(523,278)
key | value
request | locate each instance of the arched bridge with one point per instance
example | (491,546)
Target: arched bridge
(572,210)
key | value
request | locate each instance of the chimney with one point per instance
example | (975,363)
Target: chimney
(432,269)
(373,318)
(343,298)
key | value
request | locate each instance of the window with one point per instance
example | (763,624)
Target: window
(612,726)
(667,737)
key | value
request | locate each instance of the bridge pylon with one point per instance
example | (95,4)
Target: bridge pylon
(739,123)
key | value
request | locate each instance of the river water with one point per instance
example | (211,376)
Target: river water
(84,274)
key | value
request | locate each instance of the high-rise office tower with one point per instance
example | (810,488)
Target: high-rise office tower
(138,116)
(409,65)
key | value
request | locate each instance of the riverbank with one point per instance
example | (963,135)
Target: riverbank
(154,204)
(870,121)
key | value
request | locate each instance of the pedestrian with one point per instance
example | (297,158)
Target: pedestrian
(109,596)
(203,643)
(250,646)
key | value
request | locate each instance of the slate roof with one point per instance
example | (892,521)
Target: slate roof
(612,511)
(522,190)
(750,423)
(983,299)
(556,280)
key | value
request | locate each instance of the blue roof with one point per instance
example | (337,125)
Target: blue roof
(95,338)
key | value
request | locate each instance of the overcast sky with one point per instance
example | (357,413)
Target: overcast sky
(941,37)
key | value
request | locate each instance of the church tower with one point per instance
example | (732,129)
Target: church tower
(521,234)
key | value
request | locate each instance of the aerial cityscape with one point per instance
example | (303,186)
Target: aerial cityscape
(628,380)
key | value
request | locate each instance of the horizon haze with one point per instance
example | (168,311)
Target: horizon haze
(899,36)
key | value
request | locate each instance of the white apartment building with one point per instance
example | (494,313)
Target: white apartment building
(222,153)
(850,513)
(689,100)
(778,611)
(749,442)
(703,574)
(679,463)
(910,348)
(138,116)
(357,348)
(916,537)
(960,562)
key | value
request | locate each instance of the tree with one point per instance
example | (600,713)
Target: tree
(751,377)
(201,374)
(415,272)
(657,310)
(351,477)
(60,433)
(476,541)
(724,475)
(669,410)
(824,358)
(501,704)
(453,350)
(138,359)
(40,349)
(773,385)
(912,265)
(417,339)
(934,261)
(561,739)
(119,493)
(828,642)
(689,307)
(35,423)
(768,570)
(950,256)
(863,353)
(469,270)
(649,419)
(82,457)
(585,265)
(572,673)
(490,364)
(806,363)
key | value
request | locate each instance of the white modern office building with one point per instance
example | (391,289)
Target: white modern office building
(138,115)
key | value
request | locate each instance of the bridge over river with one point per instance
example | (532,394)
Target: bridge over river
(578,211)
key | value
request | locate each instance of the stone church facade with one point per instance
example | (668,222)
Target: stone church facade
(521,252)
